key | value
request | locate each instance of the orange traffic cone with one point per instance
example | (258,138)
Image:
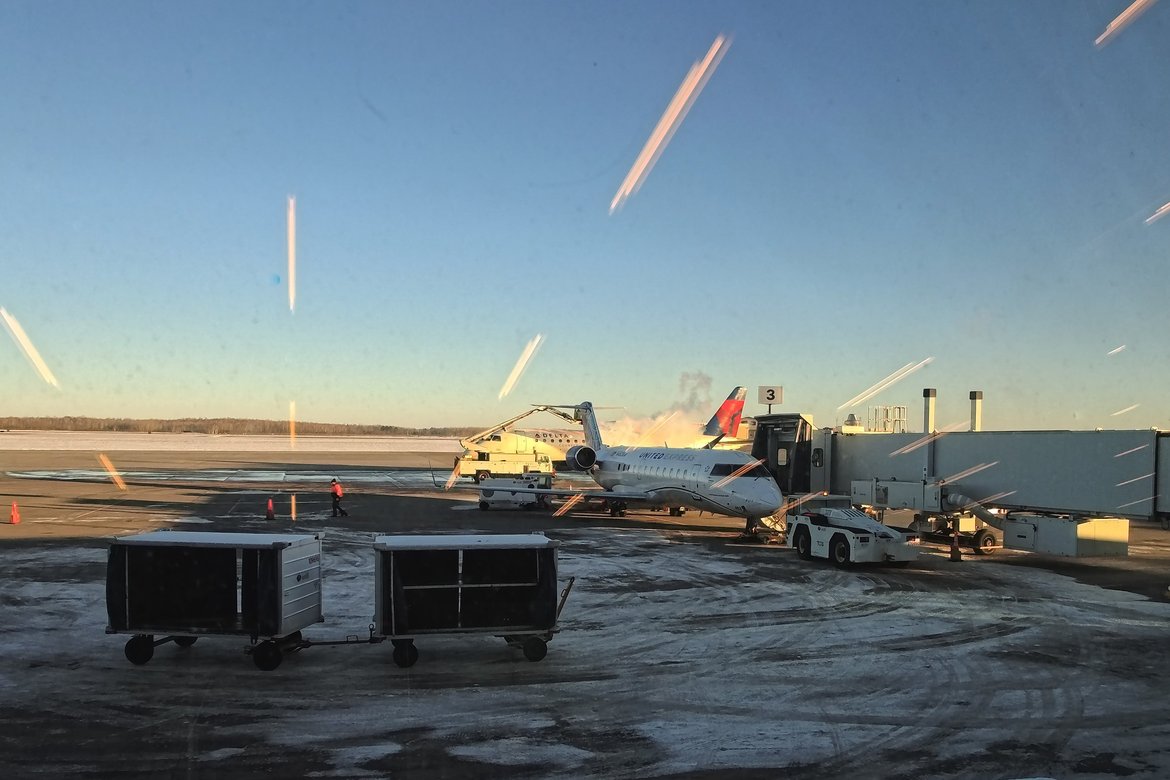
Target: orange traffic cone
(956,553)
(14,518)
(270,514)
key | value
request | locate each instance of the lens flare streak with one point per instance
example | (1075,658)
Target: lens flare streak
(892,379)
(113,472)
(292,253)
(676,111)
(1120,412)
(969,472)
(1123,20)
(26,346)
(521,365)
(1135,479)
(1127,452)
(572,502)
(1113,352)
(795,503)
(1139,501)
(928,439)
(292,425)
(293,508)
(739,472)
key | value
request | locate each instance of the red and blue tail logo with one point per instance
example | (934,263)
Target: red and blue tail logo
(727,417)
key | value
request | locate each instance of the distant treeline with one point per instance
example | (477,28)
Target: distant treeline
(220,426)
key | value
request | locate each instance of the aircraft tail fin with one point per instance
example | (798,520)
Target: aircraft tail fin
(589,423)
(584,413)
(727,417)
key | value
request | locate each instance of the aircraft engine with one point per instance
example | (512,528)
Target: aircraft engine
(580,458)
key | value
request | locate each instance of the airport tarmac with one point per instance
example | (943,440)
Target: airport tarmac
(683,653)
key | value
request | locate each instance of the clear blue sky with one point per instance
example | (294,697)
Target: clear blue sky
(861,185)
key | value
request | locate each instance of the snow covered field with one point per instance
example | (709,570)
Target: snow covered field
(199,442)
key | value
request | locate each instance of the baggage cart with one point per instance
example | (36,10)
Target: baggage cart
(503,584)
(179,585)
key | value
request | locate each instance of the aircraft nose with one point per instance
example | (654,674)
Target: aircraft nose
(769,500)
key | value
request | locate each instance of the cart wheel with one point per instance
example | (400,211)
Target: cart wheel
(140,649)
(535,648)
(267,656)
(405,654)
(185,641)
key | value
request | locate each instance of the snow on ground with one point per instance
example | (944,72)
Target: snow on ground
(676,655)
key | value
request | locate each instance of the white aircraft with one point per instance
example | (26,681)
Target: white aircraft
(726,426)
(725,482)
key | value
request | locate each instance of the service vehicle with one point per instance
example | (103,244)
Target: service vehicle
(507,494)
(481,465)
(846,535)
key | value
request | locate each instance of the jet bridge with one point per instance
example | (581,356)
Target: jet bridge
(1072,475)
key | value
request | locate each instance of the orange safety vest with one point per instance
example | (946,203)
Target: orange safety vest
(337,491)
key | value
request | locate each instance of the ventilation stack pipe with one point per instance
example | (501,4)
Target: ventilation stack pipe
(976,410)
(929,395)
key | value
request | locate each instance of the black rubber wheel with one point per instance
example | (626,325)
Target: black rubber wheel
(185,641)
(405,654)
(803,545)
(535,648)
(480,476)
(984,542)
(483,505)
(267,656)
(839,551)
(139,649)
(900,564)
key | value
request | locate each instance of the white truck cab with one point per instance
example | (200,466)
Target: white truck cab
(848,535)
(502,494)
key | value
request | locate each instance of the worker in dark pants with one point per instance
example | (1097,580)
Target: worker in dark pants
(337,493)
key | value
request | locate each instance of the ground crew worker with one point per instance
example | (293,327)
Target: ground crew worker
(337,492)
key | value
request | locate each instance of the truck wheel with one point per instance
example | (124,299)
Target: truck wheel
(139,649)
(803,545)
(267,656)
(185,641)
(535,648)
(480,476)
(405,654)
(483,505)
(839,550)
(984,542)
